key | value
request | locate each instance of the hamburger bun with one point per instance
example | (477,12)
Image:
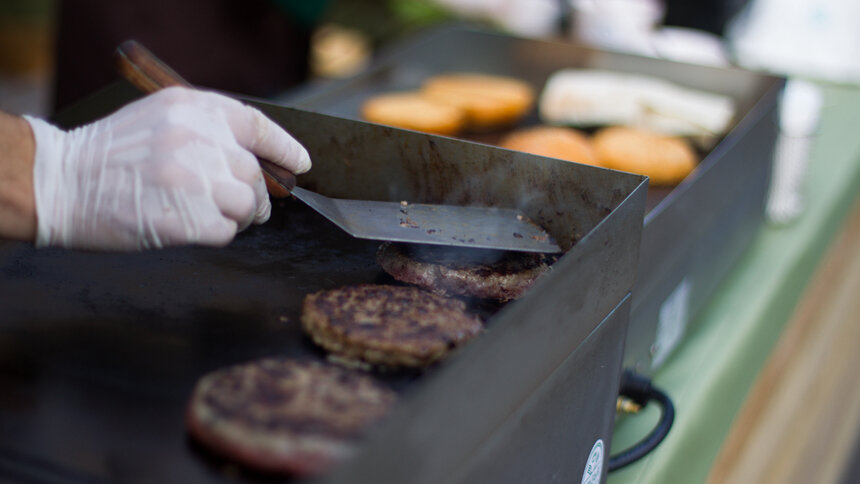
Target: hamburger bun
(488,101)
(552,141)
(666,160)
(411,110)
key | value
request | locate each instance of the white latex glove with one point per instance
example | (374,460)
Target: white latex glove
(176,167)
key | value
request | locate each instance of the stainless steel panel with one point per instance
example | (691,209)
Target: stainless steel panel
(545,436)
(693,237)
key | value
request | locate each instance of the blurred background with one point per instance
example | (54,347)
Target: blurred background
(53,52)
(26,55)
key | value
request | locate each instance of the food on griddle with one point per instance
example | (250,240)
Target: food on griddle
(387,325)
(666,160)
(283,415)
(448,104)
(489,101)
(486,274)
(411,110)
(552,141)
(593,97)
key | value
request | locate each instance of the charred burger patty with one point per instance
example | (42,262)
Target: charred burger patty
(488,274)
(285,416)
(387,325)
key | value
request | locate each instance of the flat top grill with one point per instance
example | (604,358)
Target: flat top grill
(99,351)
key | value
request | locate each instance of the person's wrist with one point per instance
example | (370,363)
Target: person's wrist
(17,199)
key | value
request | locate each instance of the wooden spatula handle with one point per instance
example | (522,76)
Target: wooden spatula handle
(149,74)
(144,70)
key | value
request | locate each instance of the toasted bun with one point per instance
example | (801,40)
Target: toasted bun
(489,101)
(552,141)
(411,110)
(666,160)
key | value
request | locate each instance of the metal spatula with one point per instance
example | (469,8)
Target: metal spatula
(465,226)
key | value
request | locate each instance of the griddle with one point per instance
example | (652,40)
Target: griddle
(99,351)
(693,233)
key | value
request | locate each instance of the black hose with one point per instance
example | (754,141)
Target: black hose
(639,389)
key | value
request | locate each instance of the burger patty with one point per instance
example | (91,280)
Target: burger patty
(487,274)
(387,325)
(285,416)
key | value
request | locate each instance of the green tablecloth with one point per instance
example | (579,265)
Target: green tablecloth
(710,374)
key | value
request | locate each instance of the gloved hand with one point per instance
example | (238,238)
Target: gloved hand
(175,167)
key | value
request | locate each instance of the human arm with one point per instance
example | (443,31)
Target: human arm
(17,203)
(176,167)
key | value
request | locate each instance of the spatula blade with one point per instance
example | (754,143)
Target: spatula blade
(463,226)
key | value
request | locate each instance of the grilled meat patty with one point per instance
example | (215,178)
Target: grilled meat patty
(387,325)
(285,416)
(487,274)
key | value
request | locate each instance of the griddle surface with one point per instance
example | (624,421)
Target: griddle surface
(99,351)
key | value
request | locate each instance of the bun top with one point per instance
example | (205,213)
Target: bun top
(553,141)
